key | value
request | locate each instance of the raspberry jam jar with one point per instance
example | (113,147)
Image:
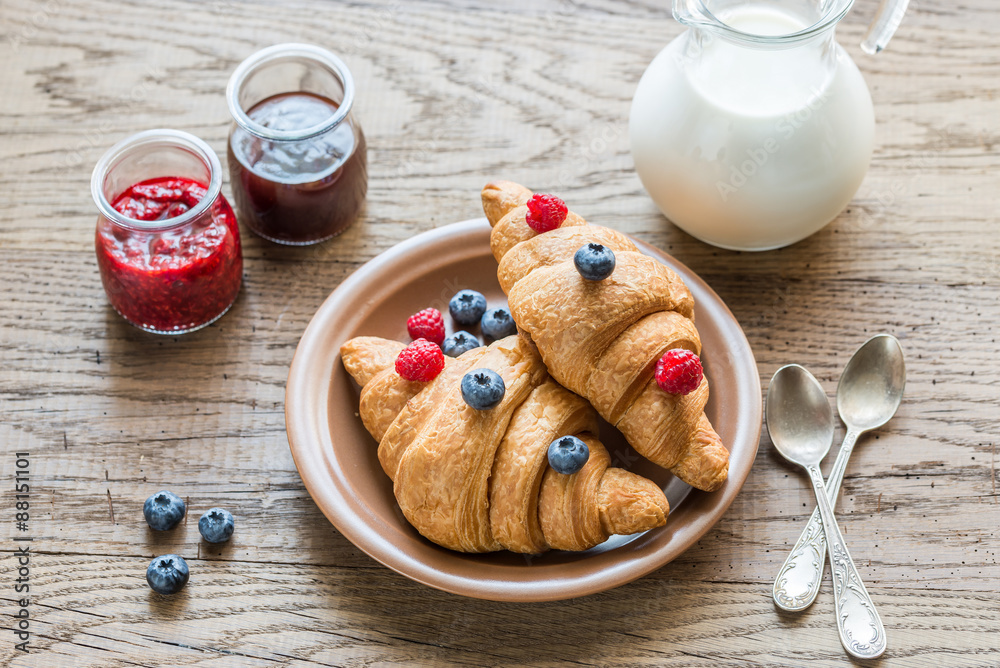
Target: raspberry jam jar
(298,162)
(167,241)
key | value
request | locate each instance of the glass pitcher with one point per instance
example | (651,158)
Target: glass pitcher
(753,129)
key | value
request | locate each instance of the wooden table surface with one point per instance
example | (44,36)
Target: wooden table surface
(452,93)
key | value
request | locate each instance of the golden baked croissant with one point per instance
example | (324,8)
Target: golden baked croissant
(479,481)
(602,339)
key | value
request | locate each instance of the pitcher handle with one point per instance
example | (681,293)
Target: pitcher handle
(887,19)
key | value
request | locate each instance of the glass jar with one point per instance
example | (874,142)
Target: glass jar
(167,241)
(298,162)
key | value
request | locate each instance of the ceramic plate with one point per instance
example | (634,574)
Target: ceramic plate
(338,462)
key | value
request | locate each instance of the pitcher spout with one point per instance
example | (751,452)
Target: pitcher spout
(693,13)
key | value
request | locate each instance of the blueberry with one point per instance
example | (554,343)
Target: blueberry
(467,307)
(498,323)
(458,343)
(568,454)
(216,525)
(167,574)
(482,389)
(594,262)
(163,511)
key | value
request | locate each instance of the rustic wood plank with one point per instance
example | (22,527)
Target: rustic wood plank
(452,93)
(266,613)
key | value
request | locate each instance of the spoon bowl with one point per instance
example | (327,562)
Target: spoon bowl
(871,386)
(798,415)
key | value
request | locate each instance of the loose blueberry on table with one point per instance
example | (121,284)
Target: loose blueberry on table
(163,510)
(467,307)
(568,454)
(595,262)
(458,343)
(167,574)
(482,389)
(498,323)
(216,525)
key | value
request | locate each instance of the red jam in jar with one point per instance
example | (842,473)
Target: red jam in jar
(168,247)
(297,158)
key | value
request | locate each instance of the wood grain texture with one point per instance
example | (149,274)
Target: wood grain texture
(452,93)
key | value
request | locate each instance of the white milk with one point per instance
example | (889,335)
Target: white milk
(752,149)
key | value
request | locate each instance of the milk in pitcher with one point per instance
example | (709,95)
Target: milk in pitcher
(747,146)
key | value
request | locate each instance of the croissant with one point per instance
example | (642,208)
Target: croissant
(479,481)
(602,339)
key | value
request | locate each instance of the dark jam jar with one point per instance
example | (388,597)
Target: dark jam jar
(298,162)
(167,242)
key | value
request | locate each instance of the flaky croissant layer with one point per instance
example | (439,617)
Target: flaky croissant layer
(602,339)
(478,481)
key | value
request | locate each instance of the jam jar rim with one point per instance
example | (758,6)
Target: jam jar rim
(289,50)
(148,138)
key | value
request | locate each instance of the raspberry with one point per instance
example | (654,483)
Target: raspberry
(679,371)
(427,324)
(545,212)
(422,360)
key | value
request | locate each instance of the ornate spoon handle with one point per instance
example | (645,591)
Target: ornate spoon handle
(858,623)
(797,583)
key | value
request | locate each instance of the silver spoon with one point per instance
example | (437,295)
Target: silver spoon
(868,395)
(800,422)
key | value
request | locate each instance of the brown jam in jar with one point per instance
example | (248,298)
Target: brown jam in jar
(297,159)
(298,192)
